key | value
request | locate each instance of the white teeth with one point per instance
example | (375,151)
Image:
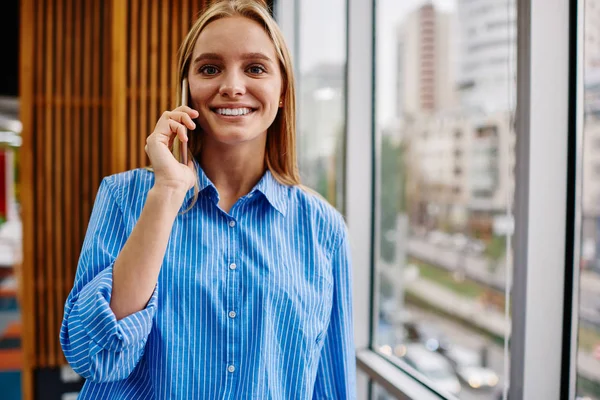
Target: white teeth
(233,111)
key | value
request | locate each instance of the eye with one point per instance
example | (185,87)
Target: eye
(256,69)
(209,70)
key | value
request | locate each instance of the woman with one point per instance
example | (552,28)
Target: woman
(222,278)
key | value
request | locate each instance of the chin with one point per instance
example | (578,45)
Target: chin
(234,137)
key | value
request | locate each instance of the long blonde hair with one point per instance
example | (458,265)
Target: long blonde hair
(280,152)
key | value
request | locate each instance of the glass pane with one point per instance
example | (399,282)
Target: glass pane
(378,392)
(445,100)
(588,357)
(322,96)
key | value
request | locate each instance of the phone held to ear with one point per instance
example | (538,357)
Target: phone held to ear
(184,102)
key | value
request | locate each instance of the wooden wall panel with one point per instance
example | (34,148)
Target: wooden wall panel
(95,77)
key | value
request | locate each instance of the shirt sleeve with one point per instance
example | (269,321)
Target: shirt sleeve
(336,374)
(96,345)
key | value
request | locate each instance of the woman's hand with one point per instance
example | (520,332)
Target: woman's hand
(170,173)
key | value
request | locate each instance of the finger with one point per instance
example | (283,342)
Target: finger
(183,118)
(179,130)
(188,110)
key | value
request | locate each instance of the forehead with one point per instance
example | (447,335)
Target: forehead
(234,35)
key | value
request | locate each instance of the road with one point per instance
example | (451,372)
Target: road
(460,335)
(479,269)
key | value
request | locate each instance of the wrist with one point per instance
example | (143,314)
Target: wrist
(168,194)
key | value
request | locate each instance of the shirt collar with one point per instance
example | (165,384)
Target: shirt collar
(274,192)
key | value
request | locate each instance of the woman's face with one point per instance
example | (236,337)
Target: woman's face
(235,81)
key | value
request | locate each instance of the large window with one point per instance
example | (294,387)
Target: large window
(445,77)
(321,74)
(588,352)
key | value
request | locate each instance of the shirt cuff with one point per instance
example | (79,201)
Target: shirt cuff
(100,322)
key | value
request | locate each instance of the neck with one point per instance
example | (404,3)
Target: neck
(234,170)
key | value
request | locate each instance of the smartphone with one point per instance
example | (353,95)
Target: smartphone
(184,102)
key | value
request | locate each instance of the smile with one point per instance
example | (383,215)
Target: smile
(233,112)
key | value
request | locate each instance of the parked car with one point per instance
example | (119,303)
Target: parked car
(433,366)
(467,364)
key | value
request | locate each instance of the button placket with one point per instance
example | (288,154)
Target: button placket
(233,281)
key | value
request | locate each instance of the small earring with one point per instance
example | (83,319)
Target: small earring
(280,103)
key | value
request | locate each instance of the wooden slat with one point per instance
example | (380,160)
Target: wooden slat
(184,24)
(166,56)
(134,83)
(38,166)
(85,139)
(57,215)
(106,87)
(38,267)
(119,85)
(69,261)
(48,180)
(145,127)
(78,125)
(175,41)
(153,109)
(26,116)
(95,141)
(196,6)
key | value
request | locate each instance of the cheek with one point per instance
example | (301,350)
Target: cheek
(200,94)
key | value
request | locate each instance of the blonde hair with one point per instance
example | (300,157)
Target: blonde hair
(280,152)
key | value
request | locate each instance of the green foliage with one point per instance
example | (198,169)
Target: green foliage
(391,201)
(496,249)
(465,287)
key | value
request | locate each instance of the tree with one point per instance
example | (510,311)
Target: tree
(391,201)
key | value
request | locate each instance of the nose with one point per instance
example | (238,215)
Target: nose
(232,85)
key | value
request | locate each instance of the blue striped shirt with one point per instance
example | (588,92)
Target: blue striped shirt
(250,304)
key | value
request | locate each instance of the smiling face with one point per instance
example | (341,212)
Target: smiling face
(235,81)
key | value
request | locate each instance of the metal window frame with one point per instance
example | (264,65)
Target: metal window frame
(572,289)
(359,171)
(543,250)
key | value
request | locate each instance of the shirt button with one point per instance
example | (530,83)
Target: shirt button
(232,266)
(231,368)
(232,223)
(232,314)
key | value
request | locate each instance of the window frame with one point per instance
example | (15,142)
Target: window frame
(547,222)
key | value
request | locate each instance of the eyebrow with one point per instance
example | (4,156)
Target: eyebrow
(245,56)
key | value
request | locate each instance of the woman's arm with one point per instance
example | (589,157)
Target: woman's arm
(96,344)
(136,269)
